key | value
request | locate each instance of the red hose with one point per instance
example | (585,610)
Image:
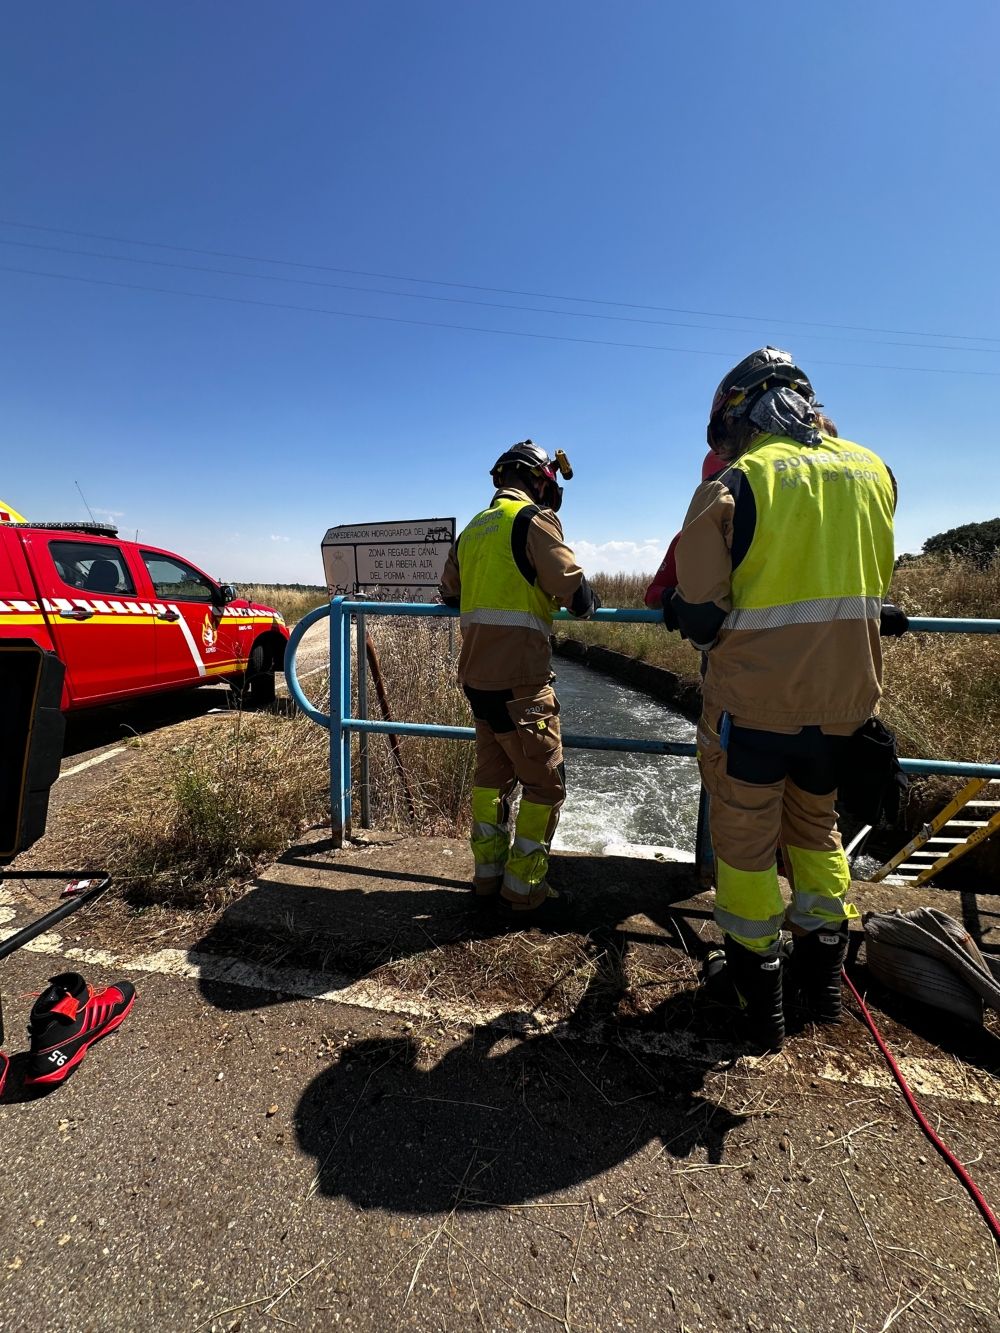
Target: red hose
(988,1214)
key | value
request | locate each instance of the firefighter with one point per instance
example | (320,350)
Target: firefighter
(665,578)
(783,564)
(508,572)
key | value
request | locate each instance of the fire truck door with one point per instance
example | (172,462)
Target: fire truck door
(188,636)
(102,630)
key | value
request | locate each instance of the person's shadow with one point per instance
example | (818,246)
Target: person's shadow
(515,1112)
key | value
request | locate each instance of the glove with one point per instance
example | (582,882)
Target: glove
(669,610)
(892,622)
(585,602)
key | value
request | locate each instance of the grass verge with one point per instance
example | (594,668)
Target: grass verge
(228,798)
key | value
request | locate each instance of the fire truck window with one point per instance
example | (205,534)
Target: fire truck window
(176,581)
(89,567)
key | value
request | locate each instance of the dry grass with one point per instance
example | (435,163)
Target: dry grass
(230,798)
(648,643)
(946,586)
(541,973)
(942,691)
(291,600)
(239,789)
(550,976)
(419,670)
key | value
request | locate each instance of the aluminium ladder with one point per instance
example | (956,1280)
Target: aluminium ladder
(934,847)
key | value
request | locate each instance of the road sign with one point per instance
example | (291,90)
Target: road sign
(397,561)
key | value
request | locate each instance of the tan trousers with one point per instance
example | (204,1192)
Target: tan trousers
(517,741)
(748,821)
(531,753)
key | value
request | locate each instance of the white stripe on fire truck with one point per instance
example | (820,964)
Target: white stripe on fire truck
(17,606)
(189,640)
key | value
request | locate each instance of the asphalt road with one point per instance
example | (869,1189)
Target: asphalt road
(327,1166)
(352,1150)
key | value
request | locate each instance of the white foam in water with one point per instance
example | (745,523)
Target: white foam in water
(616,799)
(863,867)
(644,852)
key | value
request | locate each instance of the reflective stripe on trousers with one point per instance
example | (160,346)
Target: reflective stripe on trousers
(820,883)
(490,832)
(529,856)
(749,906)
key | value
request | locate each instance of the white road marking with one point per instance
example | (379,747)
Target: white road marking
(90,763)
(929,1077)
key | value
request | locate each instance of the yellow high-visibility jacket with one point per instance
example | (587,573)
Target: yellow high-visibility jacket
(795,544)
(509,571)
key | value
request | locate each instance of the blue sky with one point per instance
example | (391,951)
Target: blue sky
(781,172)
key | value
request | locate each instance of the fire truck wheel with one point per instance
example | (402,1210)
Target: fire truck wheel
(257,689)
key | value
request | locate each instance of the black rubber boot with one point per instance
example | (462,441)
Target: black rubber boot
(817,960)
(713,970)
(757,981)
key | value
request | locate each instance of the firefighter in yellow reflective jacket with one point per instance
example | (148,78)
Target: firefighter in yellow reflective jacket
(783,564)
(509,571)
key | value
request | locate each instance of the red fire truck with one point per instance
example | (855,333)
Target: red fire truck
(129,619)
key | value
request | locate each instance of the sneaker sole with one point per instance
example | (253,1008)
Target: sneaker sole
(4,1067)
(58,1075)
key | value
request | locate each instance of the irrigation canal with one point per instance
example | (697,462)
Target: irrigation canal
(614,799)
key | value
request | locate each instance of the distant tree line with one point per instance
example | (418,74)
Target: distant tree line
(287,587)
(979,543)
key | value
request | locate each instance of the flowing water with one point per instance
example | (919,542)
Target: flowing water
(614,798)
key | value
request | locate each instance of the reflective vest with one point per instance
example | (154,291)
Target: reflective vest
(492,561)
(822,545)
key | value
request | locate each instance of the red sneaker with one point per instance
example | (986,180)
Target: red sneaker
(66,1020)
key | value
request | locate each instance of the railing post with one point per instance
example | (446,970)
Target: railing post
(346,713)
(363,768)
(704,852)
(338,814)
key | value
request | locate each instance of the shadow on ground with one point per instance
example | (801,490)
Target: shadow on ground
(973,1045)
(116,723)
(347,915)
(500,1118)
(516,1109)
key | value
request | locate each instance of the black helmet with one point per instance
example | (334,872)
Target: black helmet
(761,370)
(535,462)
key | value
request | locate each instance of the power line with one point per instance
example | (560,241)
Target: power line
(496,291)
(463,328)
(461,300)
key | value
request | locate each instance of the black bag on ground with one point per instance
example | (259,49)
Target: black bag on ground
(872,784)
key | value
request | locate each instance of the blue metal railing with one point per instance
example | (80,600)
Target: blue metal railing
(341,724)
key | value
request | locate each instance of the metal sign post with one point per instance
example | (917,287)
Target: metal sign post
(403,559)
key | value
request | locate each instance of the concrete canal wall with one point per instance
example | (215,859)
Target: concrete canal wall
(678,692)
